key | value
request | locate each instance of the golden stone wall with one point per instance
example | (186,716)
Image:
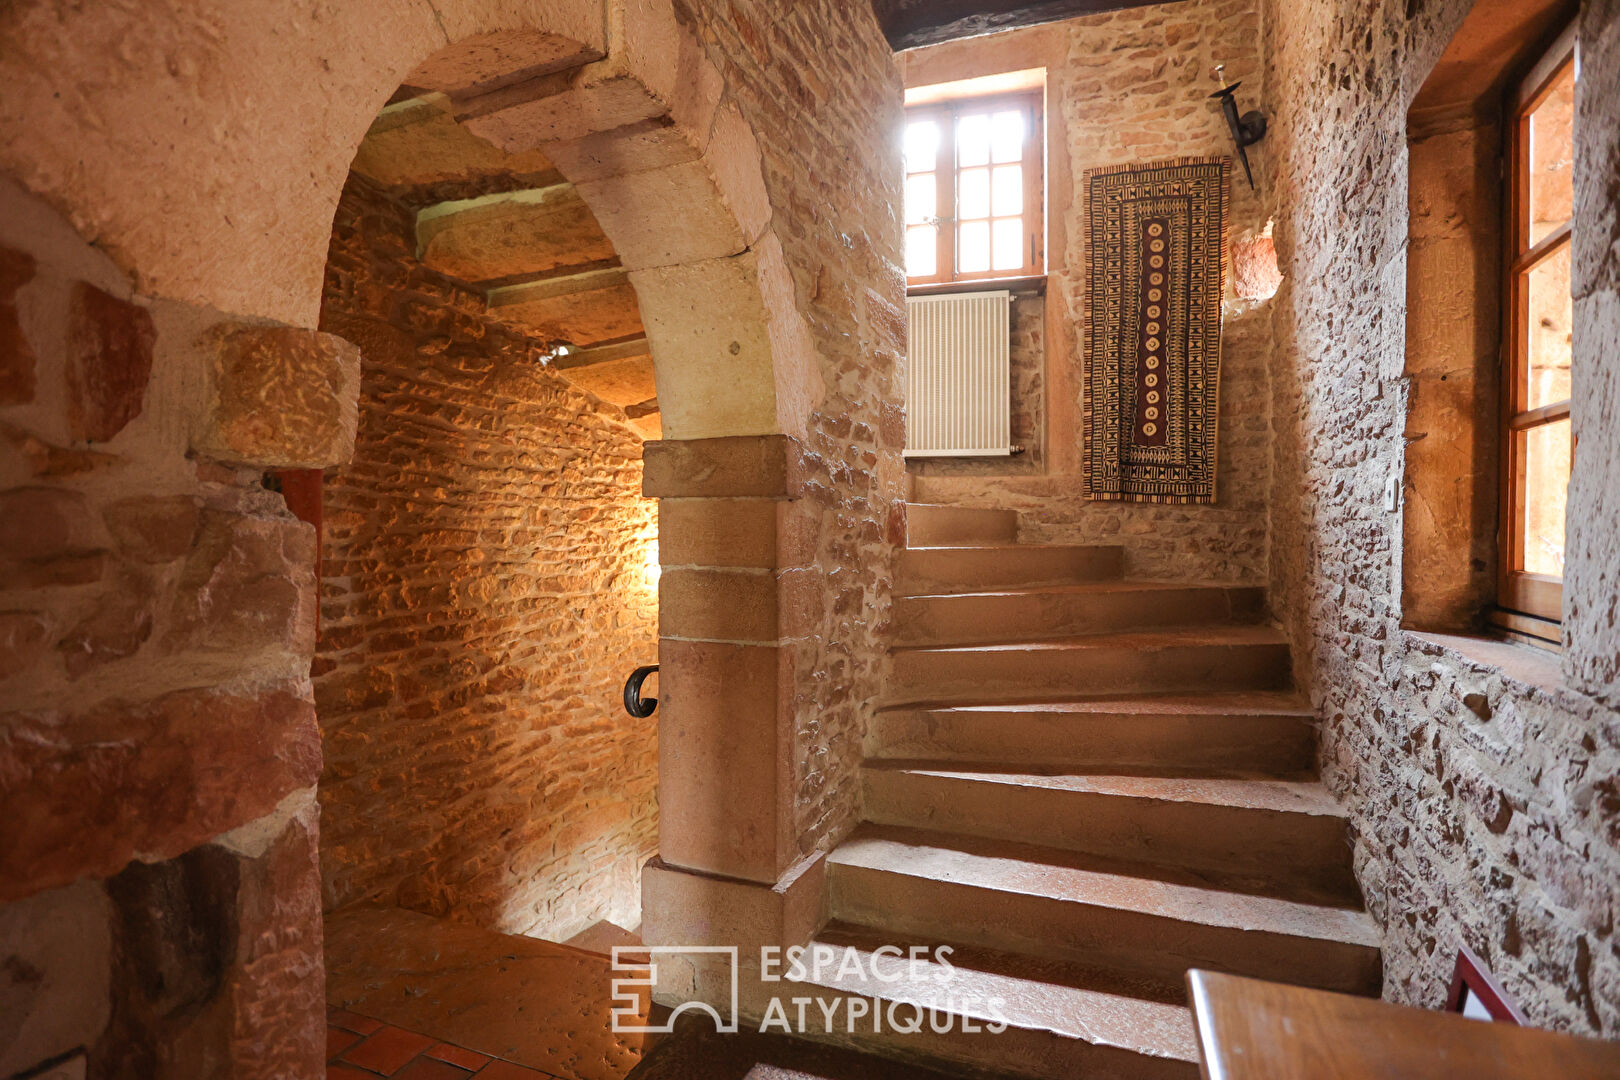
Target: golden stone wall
(490,579)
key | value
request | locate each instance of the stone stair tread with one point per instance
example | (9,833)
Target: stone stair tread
(1003,866)
(1217,703)
(1082,587)
(1013,546)
(1035,995)
(952,508)
(1134,640)
(1286,796)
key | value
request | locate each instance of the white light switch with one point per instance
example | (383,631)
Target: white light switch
(1392,493)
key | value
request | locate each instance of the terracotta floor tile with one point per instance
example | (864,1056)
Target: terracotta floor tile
(506,1070)
(388,1050)
(426,1068)
(343,1072)
(339,1040)
(349,1021)
(459,1055)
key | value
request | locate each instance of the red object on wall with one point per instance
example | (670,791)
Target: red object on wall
(302,490)
(1472,980)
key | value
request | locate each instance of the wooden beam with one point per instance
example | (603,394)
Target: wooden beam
(563,281)
(645,408)
(909,24)
(602,354)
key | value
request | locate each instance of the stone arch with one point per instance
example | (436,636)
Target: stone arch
(224,140)
(203,163)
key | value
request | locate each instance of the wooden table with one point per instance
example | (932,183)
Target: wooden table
(1254,1030)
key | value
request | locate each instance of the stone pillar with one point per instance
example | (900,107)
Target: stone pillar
(736,545)
(731,546)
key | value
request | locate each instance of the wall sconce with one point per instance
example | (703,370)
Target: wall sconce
(1248,129)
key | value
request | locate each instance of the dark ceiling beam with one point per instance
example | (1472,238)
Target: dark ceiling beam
(602,354)
(912,23)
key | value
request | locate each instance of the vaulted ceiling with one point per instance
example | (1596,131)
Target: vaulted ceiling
(910,23)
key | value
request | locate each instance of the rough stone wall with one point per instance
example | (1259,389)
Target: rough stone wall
(1592,544)
(820,88)
(1480,781)
(159,897)
(489,582)
(1130,86)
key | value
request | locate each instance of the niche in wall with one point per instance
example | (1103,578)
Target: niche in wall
(1454,312)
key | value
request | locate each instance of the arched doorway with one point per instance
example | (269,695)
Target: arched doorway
(207,172)
(490,563)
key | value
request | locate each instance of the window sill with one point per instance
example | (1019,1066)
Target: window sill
(1525,664)
(1534,630)
(1029,285)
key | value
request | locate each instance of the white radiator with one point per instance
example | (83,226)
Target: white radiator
(958,384)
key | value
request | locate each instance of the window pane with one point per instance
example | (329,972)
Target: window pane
(1551,314)
(973,140)
(1009,194)
(1546,457)
(973,194)
(1009,244)
(922,145)
(973,243)
(1552,157)
(1007,136)
(921,196)
(922,251)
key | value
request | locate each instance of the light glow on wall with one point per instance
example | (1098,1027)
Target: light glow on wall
(651,571)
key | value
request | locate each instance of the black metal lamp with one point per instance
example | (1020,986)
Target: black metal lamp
(1248,129)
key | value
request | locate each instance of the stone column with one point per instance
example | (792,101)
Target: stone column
(735,544)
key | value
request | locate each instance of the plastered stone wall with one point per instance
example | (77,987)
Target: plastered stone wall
(489,582)
(1479,777)
(1453,331)
(1129,86)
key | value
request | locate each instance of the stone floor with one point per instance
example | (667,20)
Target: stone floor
(412,997)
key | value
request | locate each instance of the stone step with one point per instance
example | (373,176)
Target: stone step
(1119,916)
(1054,611)
(930,525)
(1281,837)
(1188,660)
(1269,734)
(927,570)
(1062,1021)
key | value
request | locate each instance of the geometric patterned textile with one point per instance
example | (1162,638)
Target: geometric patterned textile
(1156,236)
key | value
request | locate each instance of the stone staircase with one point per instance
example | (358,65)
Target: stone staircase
(1085,786)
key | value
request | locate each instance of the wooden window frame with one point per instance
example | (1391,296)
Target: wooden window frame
(1526,602)
(945,113)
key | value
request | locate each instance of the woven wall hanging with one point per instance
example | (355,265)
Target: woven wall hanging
(1156,235)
